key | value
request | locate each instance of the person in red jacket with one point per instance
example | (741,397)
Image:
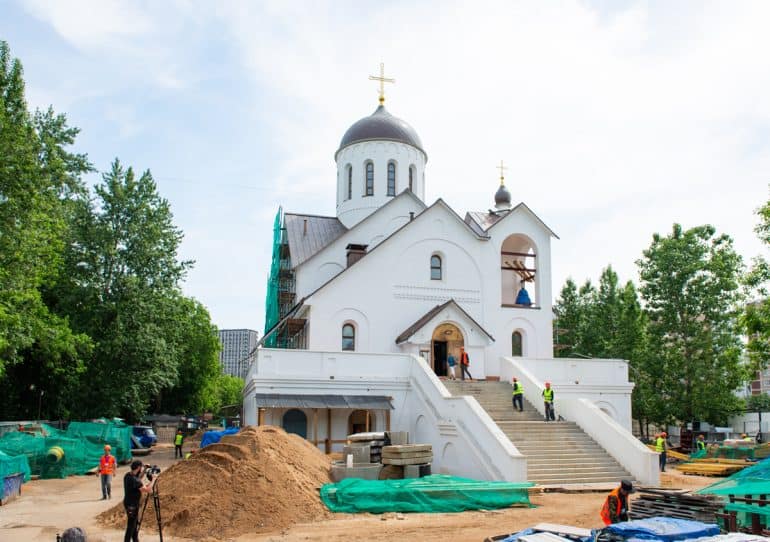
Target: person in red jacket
(465,361)
(107,467)
(615,507)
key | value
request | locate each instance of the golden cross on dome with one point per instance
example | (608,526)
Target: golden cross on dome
(501,167)
(382,79)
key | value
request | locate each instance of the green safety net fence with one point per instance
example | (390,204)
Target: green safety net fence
(435,493)
(14,464)
(733,452)
(53,453)
(272,306)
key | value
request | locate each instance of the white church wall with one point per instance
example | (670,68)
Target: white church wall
(466,442)
(380,153)
(332,259)
(535,323)
(393,289)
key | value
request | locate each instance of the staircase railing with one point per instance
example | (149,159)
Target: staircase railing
(620,443)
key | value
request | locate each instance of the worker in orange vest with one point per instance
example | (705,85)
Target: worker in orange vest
(107,472)
(615,508)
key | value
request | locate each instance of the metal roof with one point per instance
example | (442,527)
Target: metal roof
(276,400)
(483,219)
(381,125)
(307,234)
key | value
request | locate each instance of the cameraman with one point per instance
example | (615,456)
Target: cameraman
(133,487)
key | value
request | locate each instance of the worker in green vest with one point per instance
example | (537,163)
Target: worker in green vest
(661,447)
(548,401)
(518,395)
(700,444)
(178,439)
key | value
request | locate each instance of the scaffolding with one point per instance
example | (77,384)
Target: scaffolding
(281,296)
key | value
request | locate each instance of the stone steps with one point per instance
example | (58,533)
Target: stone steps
(558,453)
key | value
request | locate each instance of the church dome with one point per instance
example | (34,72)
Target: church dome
(502,197)
(381,125)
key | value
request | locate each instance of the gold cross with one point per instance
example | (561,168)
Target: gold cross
(501,167)
(382,79)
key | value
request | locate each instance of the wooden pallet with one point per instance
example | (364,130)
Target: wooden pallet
(676,504)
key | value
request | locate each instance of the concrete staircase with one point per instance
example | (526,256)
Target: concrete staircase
(558,453)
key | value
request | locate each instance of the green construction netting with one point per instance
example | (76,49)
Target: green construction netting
(52,453)
(272,305)
(733,452)
(14,464)
(436,493)
(754,480)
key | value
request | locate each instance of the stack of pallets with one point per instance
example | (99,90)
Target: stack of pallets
(407,454)
(707,468)
(678,504)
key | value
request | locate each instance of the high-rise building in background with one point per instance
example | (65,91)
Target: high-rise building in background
(237,344)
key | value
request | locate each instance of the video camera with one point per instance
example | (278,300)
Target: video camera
(150,471)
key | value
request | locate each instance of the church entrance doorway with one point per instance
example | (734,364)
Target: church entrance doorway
(447,339)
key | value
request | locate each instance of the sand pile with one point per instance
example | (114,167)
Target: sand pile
(261,479)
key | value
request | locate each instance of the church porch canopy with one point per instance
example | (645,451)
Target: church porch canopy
(358,402)
(422,330)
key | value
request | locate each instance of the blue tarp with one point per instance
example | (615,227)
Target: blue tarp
(662,529)
(211,437)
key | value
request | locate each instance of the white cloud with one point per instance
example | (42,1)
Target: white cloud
(613,125)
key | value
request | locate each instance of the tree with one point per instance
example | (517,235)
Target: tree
(690,285)
(756,318)
(37,176)
(122,289)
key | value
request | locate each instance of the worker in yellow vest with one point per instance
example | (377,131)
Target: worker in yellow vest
(550,415)
(700,444)
(178,439)
(661,447)
(518,394)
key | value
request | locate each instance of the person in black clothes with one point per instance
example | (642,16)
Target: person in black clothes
(133,488)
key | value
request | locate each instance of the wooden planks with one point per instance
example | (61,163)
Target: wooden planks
(407,454)
(709,469)
(675,504)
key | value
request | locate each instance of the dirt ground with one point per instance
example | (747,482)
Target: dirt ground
(50,506)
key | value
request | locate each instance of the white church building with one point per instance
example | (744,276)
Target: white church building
(364,308)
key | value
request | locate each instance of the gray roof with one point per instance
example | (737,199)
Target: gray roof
(482,219)
(428,316)
(381,125)
(321,230)
(280,400)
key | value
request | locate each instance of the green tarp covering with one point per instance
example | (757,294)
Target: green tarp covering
(52,453)
(14,464)
(436,493)
(754,480)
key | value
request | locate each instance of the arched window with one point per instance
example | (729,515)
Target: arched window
(391,179)
(411,178)
(435,267)
(369,179)
(348,337)
(517,344)
(350,182)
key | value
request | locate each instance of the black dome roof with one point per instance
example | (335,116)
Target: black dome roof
(502,196)
(381,125)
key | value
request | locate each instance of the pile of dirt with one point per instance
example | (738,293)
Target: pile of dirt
(262,479)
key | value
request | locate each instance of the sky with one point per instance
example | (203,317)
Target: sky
(615,119)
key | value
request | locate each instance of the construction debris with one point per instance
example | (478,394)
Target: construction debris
(675,504)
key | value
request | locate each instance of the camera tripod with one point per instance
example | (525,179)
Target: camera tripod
(156,505)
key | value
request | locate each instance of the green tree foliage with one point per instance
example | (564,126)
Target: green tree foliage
(608,322)
(92,319)
(756,318)
(690,286)
(38,177)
